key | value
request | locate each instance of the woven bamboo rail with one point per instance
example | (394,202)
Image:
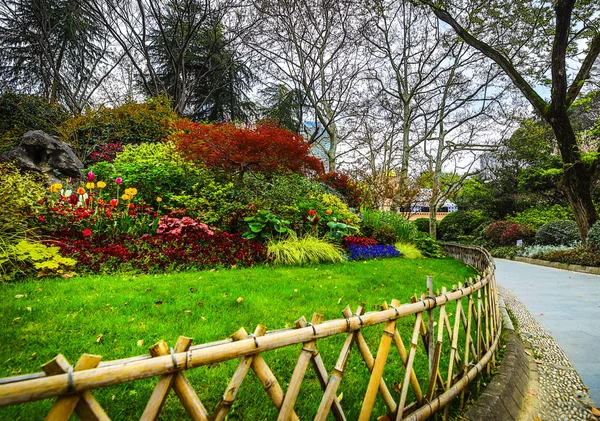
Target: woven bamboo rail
(472,337)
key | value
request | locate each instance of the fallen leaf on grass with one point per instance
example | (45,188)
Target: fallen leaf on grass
(595,411)
(192,290)
(140,342)
(39,290)
(340,397)
(158,303)
(200,303)
(19,296)
(33,356)
(187,311)
(16,320)
(99,338)
(340,300)
(239,299)
(533,392)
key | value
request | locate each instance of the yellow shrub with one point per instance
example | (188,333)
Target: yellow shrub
(339,207)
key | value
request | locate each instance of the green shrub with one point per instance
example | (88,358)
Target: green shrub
(385,234)
(21,113)
(506,252)
(422,224)
(428,246)
(304,251)
(131,123)
(20,193)
(409,251)
(373,219)
(460,223)
(557,233)
(584,256)
(593,237)
(536,217)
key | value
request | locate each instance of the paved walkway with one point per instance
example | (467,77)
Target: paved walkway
(567,304)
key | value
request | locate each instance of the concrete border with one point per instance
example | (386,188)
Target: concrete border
(592,270)
(504,397)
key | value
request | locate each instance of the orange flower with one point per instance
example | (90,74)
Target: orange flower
(81,191)
(328,211)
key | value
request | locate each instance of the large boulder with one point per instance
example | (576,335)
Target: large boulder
(40,152)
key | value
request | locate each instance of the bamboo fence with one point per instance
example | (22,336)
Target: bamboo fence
(471,335)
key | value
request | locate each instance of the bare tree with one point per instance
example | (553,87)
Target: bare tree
(310,45)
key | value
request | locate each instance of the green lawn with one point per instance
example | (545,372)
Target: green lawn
(40,319)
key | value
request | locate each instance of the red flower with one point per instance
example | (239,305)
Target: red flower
(73,199)
(114,202)
(312,212)
(131,206)
(87,232)
(131,212)
(41,219)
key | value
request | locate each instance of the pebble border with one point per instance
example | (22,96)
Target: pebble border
(557,392)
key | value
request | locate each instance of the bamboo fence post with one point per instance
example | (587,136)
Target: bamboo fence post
(268,379)
(454,349)
(370,362)
(64,406)
(414,382)
(430,344)
(379,365)
(329,397)
(427,342)
(235,383)
(479,327)
(181,385)
(467,347)
(308,350)
(161,390)
(411,358)
(437,354)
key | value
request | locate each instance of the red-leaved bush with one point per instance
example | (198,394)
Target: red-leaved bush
(344,185)
(495,230)
(352,241)
(263,147)
(516,232)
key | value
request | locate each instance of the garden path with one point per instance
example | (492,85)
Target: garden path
(567,304)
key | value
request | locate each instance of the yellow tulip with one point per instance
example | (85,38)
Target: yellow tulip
(101,184)
(89,186)
(159,199)
(54,188)
(125,197)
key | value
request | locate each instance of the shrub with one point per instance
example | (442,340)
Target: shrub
(385,234)
(264,148)
(373,219)
(557,233)
(343,185)
(516,232)
(428,246)
(495,230)
(131,123)
(303,251)
(422,225)
(536,217)
(20,193)
(358,241)
(537,250)
(372,252)
(339,209)
(585,256)
(460,223)
(506,252)
(409,251)
(593,237)
(21,113)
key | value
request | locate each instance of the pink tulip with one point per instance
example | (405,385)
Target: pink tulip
(118,180)
(91,176)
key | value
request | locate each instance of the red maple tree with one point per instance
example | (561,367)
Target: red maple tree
(264,148)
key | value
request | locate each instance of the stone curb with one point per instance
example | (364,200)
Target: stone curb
(503,398)
(575,268)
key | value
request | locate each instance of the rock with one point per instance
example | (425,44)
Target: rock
(40,152)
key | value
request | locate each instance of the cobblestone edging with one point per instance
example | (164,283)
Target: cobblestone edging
(556,393)
(575,268)
(503,398)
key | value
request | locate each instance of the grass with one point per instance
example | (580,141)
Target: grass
(303,251)
(43,318)
(409,251)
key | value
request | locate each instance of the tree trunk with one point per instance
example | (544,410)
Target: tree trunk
(577,177)
(433,222)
